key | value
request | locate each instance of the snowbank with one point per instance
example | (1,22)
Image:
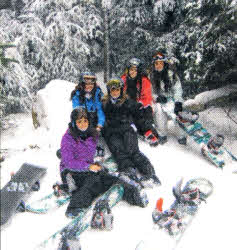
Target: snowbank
(209,98)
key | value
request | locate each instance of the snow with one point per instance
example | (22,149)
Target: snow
(213,227)
(212,95)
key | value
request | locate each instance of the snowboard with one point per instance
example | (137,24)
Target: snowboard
(57,199)
(18,189)
(173,222)
(200,135)
(188,200)
(72,230)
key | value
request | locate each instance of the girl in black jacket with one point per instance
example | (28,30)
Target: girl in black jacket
(120,132)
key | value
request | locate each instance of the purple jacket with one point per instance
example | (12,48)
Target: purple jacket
(77,155)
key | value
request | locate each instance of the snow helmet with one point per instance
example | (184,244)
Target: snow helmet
(78,113)
(134,62)
(115,82)
(87,75)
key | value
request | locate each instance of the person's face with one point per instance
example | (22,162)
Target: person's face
(159,65)
(89,84)
(115,92)
(132,72)
(82,124)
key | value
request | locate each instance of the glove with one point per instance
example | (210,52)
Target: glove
(178,107)
(161,99)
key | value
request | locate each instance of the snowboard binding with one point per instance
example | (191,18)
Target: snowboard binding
(188,199)
(215,143)
(186,117)
(67,243)
(102,217)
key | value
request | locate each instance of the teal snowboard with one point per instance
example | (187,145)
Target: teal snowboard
(79,224)
(51,201)
(200,135)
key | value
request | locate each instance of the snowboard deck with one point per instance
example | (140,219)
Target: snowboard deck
(172,223)
(79,224)
(51,202)
(18,189)
(200,135)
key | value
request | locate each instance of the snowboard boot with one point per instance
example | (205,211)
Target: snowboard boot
(133,191)
(133,175)
(150,181)
(163,139)
(151,138)
(73,212)
(182,140)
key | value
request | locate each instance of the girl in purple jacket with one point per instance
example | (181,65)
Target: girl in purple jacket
(83,179)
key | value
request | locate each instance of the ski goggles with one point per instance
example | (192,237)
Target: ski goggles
(114,84)
(89,79)
(159,57)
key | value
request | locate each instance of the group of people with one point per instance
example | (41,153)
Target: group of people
(132,107)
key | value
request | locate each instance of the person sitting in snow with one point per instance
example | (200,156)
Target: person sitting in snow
(83,178)
(168,89)
(120,133)
(88,95)
(138,88)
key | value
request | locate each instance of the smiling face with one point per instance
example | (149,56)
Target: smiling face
(132,72)
(89,87)
(159,65)
(89,83)
(82,124)
(115,92)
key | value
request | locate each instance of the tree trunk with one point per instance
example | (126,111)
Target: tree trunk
(106,45)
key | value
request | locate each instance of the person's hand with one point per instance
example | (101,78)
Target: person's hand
(98,128)
(178,107)
(95,168)
(161,99)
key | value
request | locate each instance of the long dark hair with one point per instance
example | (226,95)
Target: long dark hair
(77,114)
(81,87)
(157,76)
(140,74)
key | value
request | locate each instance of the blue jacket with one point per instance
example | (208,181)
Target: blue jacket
(91,105)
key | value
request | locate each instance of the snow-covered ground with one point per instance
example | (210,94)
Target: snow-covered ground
(213,228)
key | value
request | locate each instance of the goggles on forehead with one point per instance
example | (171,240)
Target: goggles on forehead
(159,57)
(114,84)
(89,79)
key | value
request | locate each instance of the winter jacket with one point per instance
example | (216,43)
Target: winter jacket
(145,97)
(120,116)
(77,155)
(92,105)
(167,83)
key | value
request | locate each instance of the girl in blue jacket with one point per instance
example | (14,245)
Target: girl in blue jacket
(88,95)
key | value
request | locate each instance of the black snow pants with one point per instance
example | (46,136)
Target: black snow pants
(89,186)
(144,121)
(123,144)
